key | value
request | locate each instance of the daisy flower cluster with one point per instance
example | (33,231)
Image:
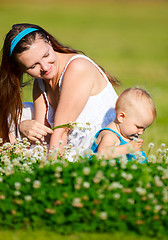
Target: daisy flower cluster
(85,195)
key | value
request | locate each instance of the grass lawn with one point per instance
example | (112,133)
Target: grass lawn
(43,235)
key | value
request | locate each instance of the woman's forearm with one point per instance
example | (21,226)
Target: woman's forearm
(59,139)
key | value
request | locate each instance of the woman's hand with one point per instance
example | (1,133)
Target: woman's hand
(34,130)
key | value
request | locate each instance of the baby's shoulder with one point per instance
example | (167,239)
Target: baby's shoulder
(107,133)
(107,136)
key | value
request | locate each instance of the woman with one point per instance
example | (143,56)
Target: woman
(68,87)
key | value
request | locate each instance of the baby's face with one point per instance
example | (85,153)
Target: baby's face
(136,121)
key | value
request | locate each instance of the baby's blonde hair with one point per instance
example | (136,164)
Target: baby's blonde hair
(129,97)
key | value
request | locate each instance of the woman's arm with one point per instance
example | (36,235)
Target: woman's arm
(36,129)
(76,89)
(12,138)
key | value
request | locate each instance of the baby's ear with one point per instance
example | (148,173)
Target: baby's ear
(121,117)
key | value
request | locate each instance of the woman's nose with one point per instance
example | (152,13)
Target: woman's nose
(44,66)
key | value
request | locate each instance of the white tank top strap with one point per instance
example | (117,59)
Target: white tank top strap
(80,56)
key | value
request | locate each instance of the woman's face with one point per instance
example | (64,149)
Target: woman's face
(40,60)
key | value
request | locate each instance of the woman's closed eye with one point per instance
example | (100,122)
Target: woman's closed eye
(32,67)
(46,55)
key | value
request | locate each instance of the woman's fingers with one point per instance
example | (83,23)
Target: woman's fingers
(46,129)
(36,137)
(34,130)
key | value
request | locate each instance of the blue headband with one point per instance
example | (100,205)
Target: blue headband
(19,37)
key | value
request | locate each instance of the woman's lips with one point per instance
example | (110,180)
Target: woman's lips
(49,70)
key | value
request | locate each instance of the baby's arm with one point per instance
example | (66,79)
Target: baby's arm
(109,147)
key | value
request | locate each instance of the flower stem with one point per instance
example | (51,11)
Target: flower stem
(62,126)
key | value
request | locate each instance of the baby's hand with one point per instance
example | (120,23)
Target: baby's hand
(136,144)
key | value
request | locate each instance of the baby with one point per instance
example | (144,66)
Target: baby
(135,111)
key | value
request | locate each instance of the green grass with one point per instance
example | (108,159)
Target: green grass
(43,235)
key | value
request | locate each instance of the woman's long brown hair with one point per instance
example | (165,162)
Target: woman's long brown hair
(10,97)
(11,75)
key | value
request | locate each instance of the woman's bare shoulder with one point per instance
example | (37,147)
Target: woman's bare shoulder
(81,72)
(80,64)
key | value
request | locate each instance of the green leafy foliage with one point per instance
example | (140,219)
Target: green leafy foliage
(92,196)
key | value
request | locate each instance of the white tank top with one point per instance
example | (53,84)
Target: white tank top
(98,111)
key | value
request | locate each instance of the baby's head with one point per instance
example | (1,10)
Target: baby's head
(135,111)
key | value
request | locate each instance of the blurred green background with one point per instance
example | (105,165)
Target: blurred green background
(128,38)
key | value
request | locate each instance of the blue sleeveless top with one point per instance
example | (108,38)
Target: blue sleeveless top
(122,142)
